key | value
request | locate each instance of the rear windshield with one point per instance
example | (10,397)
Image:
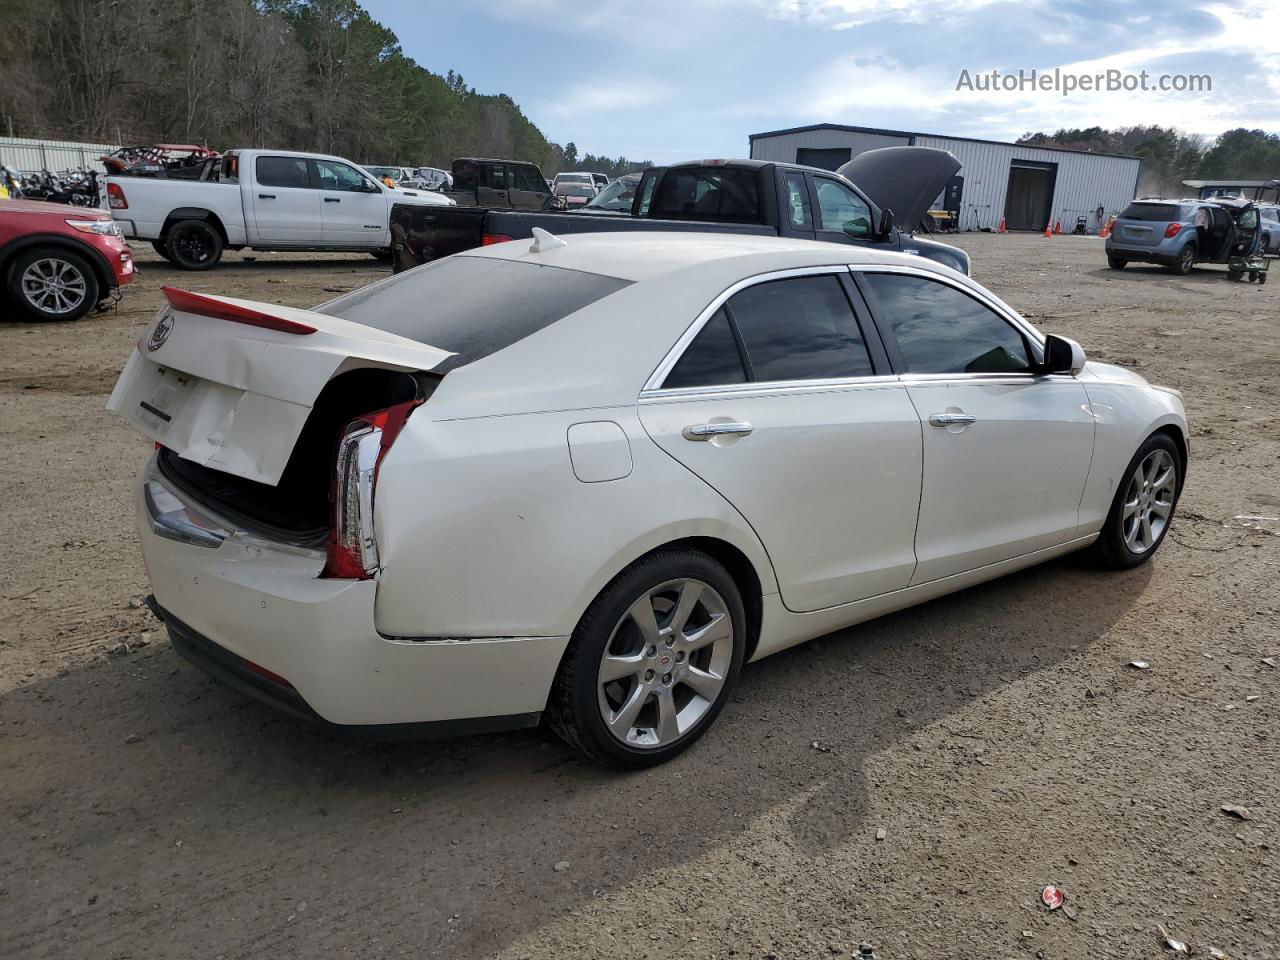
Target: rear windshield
(472,306)
(1152,211)
(723,193)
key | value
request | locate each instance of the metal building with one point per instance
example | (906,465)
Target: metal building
(1027,187)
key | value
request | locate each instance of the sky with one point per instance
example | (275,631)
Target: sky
(667,80)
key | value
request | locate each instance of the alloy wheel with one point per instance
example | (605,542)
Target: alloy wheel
(1148,503)
(54,286)
(666,663)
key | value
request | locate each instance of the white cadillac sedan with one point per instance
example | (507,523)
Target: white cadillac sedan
(589,479)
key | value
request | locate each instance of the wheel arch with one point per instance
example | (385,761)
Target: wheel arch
(102,270)
(1175,432)
(194,213)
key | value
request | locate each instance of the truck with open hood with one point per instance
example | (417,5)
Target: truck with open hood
(876,200)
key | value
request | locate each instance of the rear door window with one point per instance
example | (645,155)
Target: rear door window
(472,306)
(801,328)
(941,330)
(282,172)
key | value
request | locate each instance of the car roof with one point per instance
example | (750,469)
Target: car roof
(642,255)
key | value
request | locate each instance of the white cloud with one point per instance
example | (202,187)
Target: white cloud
(846,14)
(623,95)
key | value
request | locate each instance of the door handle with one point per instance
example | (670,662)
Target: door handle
(266,196)
(949,419)
(332,199)
(705,431)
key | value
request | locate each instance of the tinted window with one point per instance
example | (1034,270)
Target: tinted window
(338,176)
(464,175)
(798,202)
(1152,211)
(282,172)
(528,179)
(495,176)
(472,306)
(711,359)
(840,209)
(721,192)
(941,330)
(799,329)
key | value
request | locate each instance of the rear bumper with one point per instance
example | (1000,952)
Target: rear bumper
(247,609)
(241,675)
(1142,254)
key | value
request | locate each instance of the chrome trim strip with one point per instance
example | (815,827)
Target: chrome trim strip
(768,387)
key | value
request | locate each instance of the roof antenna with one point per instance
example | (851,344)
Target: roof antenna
(544,240)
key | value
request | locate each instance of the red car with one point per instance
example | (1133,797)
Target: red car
(59,262)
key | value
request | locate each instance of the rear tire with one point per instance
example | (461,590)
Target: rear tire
(1144,505)
(383,255)
(1186,261)
(630,696)
(52,284)
(193,245)
(1117,263)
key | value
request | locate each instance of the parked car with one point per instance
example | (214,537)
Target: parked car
(1269,228)
(499,184)
(575,194)
(434,178)
(262,200)
(731,196)
(1178,234)
(616,198)
(59,262)
(391,176)
(574,177)
(589,477)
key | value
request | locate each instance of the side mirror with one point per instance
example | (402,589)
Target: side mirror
(1062,355)
(886,223)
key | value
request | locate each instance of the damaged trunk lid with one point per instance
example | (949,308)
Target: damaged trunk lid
(229,384)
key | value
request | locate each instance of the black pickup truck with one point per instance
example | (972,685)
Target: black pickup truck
(509,184)
(724,196)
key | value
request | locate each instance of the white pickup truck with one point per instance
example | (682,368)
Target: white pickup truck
(263,200)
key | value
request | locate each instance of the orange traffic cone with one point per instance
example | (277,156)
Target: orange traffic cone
(1057,227)
(1047,231)
(1003,228)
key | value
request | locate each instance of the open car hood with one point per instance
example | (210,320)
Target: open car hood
(905,180)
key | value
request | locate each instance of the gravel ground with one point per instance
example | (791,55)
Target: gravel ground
(969,751)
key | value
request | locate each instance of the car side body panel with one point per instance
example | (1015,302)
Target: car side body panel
(1126,410)
(551,541)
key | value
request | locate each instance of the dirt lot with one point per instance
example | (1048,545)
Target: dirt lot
(998,737)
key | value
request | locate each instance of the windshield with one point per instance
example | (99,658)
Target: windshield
(573,178)
(616,196)
(472,306)
(575,190)
(392,172)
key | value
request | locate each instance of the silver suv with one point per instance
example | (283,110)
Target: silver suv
(1178,234)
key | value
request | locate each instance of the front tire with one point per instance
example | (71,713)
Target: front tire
(49,283)
(651,663)
(1143,508)
(383,255)
(194,245)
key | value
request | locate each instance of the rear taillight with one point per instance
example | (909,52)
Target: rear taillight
(1172,230)
(115,197)
(353,547)
(489,239)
